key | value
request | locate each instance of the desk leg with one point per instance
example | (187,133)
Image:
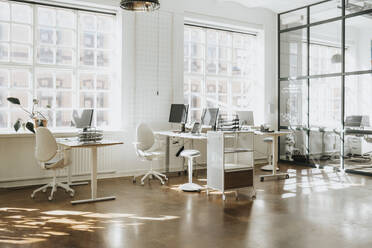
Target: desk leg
(94,198)
(274,162)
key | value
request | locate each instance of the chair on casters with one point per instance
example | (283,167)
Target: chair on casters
(148,149)
(190,186)
(50,158)
(270,166)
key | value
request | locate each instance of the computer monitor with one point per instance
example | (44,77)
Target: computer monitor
(209,117)
(83,119)
(178,113)
(357,121)
(245,118)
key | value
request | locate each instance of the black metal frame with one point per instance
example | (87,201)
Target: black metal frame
(308,77)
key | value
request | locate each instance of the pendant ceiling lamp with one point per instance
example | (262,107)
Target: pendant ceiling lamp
(140,5)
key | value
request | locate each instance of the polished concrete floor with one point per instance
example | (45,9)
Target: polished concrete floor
(314,208)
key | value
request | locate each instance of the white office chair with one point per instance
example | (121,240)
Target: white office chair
(148,149)
(50,158)
(190,186)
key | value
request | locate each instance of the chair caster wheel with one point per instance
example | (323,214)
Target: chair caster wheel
(166,179)
(44,190)
(142,183)
(261,179)
(134,181)
(253,197)
(72,194)
(50,198)
(162,182)
(287,177)
(32,196)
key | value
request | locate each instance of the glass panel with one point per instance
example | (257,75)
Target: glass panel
(20,79)
(195,101)
(212,52)
(63,99)
(21,33)
(325,102)
(358,43)
(358,101)
(4,78)
(65,56)
(4,52)
(197,35)
(46,16)
(21,53)
(293,19)
(211,86)
(186,65)
(87,81)
(103,58)
(3,117)
(293,103)
(46,36)
(22,13)
(325,11)
(102,100)
(46,55)
(223,68)
(103,82)
(87,57)
(63,118)
(88,22)
(105,24)
(293,53)
(102,118)
(353,6)
(4,32)
(65,38)
(325,147)
(4,11)
(45,80)
(64,80)
(293,147)
(66,19)
(197,66)
(87,39)
(45,98)
(86,100)
(211,67)
(104,41)
(325,48)
(224,39)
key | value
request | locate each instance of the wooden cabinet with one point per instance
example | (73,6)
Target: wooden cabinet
(230,161)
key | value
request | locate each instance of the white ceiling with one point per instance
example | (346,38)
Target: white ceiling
(274,5)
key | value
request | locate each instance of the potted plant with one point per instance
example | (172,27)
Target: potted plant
(39,120)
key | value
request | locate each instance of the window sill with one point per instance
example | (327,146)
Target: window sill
(56,132)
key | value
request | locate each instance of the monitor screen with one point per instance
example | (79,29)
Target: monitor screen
(178,113)
(83,119)
(209,116)
(246,118)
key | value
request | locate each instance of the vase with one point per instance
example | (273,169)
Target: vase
(40,123)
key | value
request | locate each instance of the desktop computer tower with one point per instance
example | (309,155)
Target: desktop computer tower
(175,164)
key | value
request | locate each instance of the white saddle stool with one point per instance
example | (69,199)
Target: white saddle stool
(190,186)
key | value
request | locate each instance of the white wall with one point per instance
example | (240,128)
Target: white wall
(140,75)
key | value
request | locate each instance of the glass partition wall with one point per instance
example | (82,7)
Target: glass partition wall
(325,84)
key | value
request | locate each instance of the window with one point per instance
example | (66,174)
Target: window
(62,57)
(221,70)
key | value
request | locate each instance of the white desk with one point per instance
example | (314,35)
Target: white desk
(74,143)
(275,136)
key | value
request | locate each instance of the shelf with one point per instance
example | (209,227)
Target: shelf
(237,167)
(238,150)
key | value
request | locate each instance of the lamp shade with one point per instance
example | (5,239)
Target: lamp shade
(138,5)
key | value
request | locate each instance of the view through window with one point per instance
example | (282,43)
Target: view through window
(60,56)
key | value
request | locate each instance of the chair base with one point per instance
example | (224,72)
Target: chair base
(162,178)
(190,187)
(54,186)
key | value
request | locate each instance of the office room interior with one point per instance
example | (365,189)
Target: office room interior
(185,123)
